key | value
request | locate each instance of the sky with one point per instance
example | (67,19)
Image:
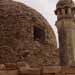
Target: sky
(46,8)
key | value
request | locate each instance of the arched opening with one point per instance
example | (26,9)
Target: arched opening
(66,10)
(39,34)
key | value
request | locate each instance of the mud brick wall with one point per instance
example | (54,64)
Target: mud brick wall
(17,43)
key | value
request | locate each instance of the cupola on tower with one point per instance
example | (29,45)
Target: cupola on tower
(65,11)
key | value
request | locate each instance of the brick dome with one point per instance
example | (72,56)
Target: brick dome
(25,35)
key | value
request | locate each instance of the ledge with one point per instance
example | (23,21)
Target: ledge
(51,69)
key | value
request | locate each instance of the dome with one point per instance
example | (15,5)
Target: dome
(24,35)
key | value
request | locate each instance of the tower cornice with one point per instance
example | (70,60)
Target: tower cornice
(65,9)
(63,3)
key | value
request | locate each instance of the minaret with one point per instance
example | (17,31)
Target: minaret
(65,12)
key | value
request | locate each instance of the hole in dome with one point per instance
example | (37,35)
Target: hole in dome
(39,34)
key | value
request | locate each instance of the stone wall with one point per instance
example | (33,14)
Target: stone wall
(17,43)
(21,68)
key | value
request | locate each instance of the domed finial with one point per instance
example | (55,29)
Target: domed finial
(62,3)
(65,7)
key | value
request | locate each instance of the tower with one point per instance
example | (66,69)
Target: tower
(65,11)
